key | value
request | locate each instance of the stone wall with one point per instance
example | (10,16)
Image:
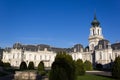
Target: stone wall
(25,75)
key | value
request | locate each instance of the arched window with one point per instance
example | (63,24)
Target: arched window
(98,32)
(100,55)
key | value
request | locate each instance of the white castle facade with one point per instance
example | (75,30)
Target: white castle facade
(99,51)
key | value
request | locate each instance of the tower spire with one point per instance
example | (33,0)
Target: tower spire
(95,22)
(95,18)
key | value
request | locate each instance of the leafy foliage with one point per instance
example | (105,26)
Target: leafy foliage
(63,68)
(80,70)
(116,68)
(88,65)
(41,68)
(23,66)
(31,65)
(7,65)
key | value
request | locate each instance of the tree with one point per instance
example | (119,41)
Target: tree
(116,68)
(41,68)
(7,65)
(23,66)
(88,65)
(80,70)
(63,68)
(31,65)
(99,66)
(1,63)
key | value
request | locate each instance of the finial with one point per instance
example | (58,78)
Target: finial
(95,22)
(95,18)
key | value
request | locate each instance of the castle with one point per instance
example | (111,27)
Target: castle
(98,51)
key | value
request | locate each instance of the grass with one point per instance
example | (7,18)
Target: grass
(93,77)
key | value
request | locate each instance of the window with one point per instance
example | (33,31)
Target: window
(115,55)
(92,46)
(29,56)
(16,63)
(49,57)
(13,56)
(40,57)
(87,49)
(100,55)
(4,56)
(45,57)
(18,55)
(35,57)
(93,32)
(100,46)
(75,56)
(98,32)
(24,56)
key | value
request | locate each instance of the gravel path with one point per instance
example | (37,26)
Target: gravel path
(101,73)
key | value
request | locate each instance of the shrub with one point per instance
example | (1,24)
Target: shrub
(41,69)
(23,66)
(88,65)
(63,68)
(1,63)
(80,70)
(7,65)
(99,66)
(31,65)
(116,68)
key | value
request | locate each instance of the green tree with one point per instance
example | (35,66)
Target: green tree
(80,70)
(7,65)
(31,65)
(116,68)
(63,68)
(41,68)
(88,65)
(23,66)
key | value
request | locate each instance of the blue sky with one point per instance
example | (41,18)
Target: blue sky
(60,23)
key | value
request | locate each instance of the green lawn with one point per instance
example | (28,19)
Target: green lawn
(93,77)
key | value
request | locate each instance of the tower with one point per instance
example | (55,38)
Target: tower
(95,34)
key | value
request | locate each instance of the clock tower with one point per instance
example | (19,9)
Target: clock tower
(95,34)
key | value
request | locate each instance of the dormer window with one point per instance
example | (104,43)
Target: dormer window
(75,50)
(87,50)
(45,49)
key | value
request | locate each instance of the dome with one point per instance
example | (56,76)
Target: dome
(95,22)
